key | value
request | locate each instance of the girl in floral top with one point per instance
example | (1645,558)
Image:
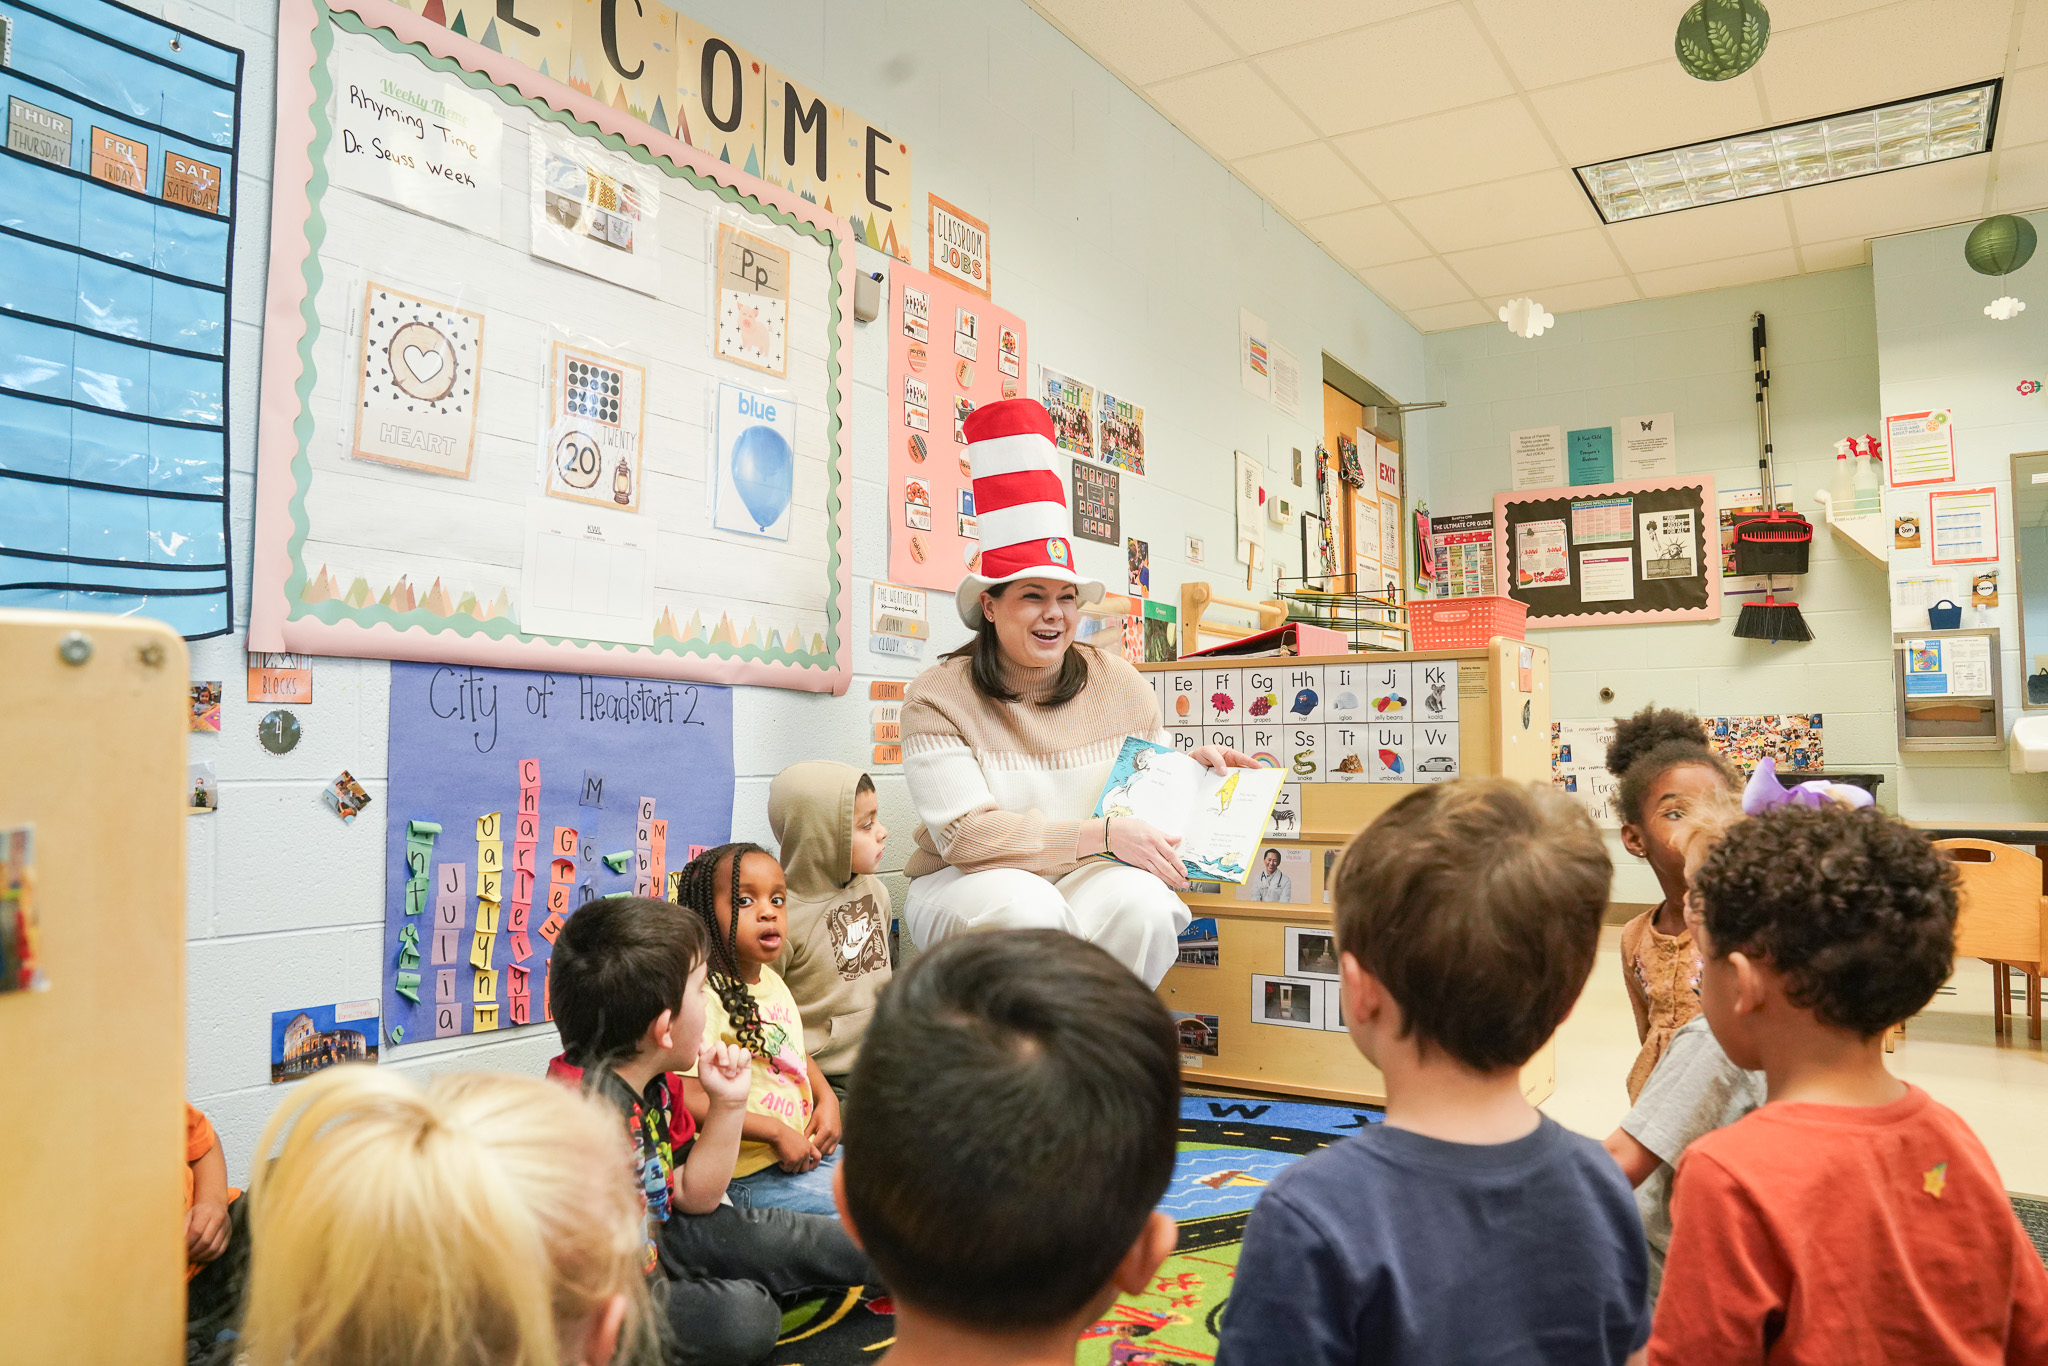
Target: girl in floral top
(1669,779)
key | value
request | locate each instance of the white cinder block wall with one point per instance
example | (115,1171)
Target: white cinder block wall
(1126,250)
(1691,356)
(1936,349)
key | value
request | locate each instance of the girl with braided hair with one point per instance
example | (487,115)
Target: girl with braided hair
(1672,786)
(789,1142)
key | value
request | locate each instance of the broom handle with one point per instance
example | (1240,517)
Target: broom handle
(1759,352)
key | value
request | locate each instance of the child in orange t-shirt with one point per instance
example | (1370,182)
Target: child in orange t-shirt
(1851,1219)
(1669,777)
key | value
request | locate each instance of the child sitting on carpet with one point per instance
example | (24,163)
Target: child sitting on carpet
(627,986)
(1851,1219)
(1468,1227)
(1668,776)
(1011,1127)
(478,1217)
(790,1140)
(825,816)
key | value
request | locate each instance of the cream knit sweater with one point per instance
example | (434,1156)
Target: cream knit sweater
(1014,784)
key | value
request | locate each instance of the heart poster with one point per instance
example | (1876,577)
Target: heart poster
(419,365)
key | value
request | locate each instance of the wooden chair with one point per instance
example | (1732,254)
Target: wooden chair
(1999,919)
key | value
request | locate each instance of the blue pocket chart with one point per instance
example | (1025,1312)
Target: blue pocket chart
(117,230)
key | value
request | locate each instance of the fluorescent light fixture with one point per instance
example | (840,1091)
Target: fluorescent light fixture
(1861,142)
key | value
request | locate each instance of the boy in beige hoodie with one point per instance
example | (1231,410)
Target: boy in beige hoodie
(836,956)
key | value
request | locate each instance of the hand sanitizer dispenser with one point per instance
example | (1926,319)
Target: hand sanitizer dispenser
(2027,750)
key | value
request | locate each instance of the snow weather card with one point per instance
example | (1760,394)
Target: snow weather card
(1220,817)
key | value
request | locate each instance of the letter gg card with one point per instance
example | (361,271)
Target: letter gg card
(420,363)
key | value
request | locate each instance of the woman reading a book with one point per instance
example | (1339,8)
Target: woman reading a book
(1008,741)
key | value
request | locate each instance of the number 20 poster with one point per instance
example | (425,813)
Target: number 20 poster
(950,351)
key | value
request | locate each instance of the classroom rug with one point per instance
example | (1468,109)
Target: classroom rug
(1231,1148)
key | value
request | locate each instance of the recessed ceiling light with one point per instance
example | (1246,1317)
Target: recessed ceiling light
(1861,142)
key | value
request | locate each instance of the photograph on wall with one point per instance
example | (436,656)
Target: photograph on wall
(1198,945)
(418,370)
(1198,1034)
(1097,516)
(1294,1002)
(315,1038)
(1071,405)
(1138,565)
(754,484)
(1794,739)
(206,706)
(1120,435)
(20,968)
(594,210)
(1311,952)
(596,408)
(1279,875)
(753,301)
(202,788)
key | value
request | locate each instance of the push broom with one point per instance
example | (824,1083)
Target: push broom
(1775,542)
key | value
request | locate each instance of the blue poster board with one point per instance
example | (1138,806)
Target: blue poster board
(117,229)
(1591,452)
(636,771)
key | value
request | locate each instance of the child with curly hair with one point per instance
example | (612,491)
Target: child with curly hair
(1669,778)
(789,1141)
(1850,1219)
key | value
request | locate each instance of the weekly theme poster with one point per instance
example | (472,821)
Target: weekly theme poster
(515,797)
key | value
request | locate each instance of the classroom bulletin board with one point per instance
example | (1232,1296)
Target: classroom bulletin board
(516,796)
(543,385)
(1611,554)
(118,202)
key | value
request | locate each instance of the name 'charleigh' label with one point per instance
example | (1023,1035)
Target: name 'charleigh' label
(37,132)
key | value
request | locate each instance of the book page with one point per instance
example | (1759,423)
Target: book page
(1152,783)
(1227,822)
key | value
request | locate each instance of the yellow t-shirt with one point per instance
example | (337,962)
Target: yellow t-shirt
(782,1081)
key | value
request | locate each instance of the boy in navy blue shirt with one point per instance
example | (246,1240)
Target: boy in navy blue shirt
(1468,1227)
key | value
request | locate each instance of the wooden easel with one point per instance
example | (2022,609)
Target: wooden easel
(92,1247)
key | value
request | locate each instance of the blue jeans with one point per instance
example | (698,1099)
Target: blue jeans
(773,1188)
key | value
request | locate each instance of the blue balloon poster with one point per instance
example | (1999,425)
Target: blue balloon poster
(755,482)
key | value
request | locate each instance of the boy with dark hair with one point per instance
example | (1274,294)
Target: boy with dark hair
(1468,1227)
(1011,1127)
(1851,1219)
(627,986)
(830,837)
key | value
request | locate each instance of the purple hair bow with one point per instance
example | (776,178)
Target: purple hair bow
(1765,791)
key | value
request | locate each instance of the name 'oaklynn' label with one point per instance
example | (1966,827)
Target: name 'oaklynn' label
(38,132)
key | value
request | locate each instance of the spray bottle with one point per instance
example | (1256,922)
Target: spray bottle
(1842,488)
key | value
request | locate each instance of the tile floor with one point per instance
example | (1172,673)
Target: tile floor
(2000,1087)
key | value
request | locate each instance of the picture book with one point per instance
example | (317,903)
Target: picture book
(1220,817)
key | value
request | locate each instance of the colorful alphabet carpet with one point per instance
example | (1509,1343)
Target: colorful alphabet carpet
(1230,1150)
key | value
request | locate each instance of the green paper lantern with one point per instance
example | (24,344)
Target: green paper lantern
(1720,39)
(1999,246)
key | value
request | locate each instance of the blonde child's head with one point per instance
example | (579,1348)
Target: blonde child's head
(482,1219)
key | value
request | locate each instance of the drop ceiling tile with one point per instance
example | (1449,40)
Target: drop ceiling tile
(1575,298)
(1739,270)
(1230,111)
(1397,70)
(1366,237)
(1564,40)
(1711,233)
(1140,40)
(1444,317)
(1837,255)
(1504,211)
(1306,181)
(1519,267)
(2023,106)
(1444,151)
(1883,55)
(1891,201)
(2022,178)
(1261,28)
(1643,110)
(1416,284)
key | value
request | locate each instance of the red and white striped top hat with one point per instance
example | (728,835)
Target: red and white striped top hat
(1020,505)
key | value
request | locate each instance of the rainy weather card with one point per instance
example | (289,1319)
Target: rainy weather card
(756,474)
(1220,817)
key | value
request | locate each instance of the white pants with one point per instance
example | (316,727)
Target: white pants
(1125,911)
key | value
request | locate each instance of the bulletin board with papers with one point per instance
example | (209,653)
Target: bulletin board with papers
(1611,554)
(544,386)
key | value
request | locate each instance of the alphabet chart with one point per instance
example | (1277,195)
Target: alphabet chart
(516,797)
(1394,721)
